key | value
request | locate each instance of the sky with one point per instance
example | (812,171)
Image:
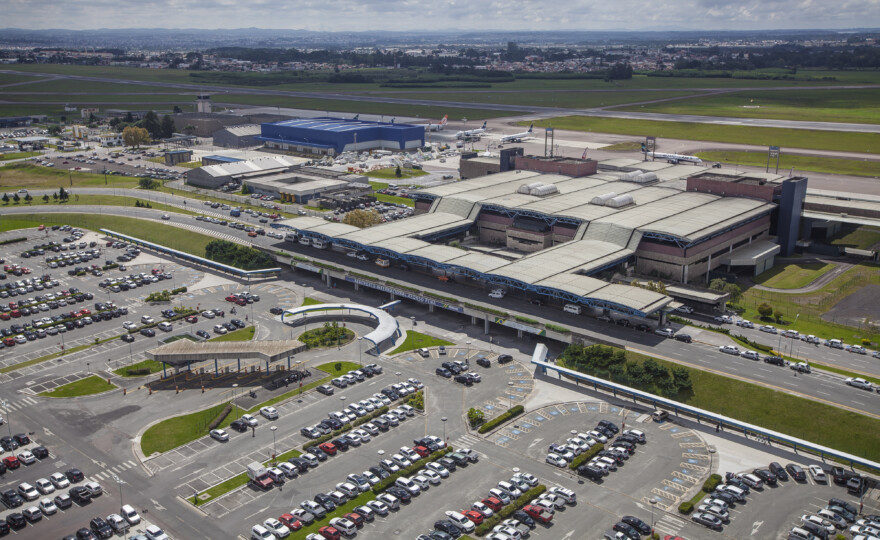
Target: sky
(377,15)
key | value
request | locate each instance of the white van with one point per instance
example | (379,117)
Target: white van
(834,343)
(320,244)
(423,352)
(660,415)
(572,308)
(305,240)
(258,532)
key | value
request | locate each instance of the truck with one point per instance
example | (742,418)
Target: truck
(259,475)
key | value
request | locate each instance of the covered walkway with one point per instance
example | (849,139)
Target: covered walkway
(387,329)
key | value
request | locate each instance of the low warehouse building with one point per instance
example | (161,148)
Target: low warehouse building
(332,136)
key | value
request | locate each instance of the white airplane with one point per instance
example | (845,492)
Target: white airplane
(471,132)
(675,158)
(439,126)
(517,137)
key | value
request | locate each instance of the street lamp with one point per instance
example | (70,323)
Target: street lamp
(510,393)
(8,423)
(398,377)
(469,350)
(653,503)
(444,419)
(360,344)
(274,448)
(234,390)
(120,482)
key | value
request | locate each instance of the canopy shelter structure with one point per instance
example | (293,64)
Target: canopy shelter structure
(387,328)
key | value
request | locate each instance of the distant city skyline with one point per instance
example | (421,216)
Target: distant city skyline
(440,15)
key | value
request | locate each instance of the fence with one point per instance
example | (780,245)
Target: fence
(679,409)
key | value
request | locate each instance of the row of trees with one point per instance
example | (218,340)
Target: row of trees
(610,363)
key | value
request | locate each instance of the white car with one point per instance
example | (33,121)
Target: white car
(408,485)
(28,492)
(556,460)
(130,515)
(276,527)
(729,349)
(371,478)
(460,521)
(483,509)
(155,533)
(858,382)
(118,524)
(751,355)
(767,328)
(527,478)
(128,325)
(362,435)
(816,520)
(269,412)
(250,420)
(496,294)
(379,507)
(59,480)
(817,473)
(220,435)
(219,329)
(439,469)
(47,506)
(598,436)
(44,486)
(433,477)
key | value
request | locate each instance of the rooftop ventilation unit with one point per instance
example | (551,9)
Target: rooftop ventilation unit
(646,178)
(538,189)
(526,189)
(630,176)
(601,200)
(620,201)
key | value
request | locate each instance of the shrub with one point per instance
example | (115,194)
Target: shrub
(586,456)
(711,483)
(765,310)
(686,507)
(522,319)
(138,372)
(218,419)
(555,328)
(475,417)
(501,418)
(416,400)
(508,510)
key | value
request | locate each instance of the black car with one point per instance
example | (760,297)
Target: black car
(464,379)
(484,362)
(341,443)
(814,528)
(128,338)
(8,443)
(334,423)
(522,517)
(4,528)
(101,528)
(239,425)
(380,472)
(276,311)
(777,360)
(591,472)
(636,524)
(301,464)
(725,496)
(2,468)
(504,358)
(318,453)
(79,494)
(779,471)
(443,372)
(16,520)
(324,500)
(683,338)
(238,322)
(448,527)
(607,424)
(203,334)
(839,475)
(627,529)
(40,452)
(12,499)
(796,472)
(149,332)
(764,474)
(843,504)
(400,493)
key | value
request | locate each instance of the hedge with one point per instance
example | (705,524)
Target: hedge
(220,417)
(12,241)
(345,427)
(524,499)
(583,458)
(686,507)
(560,329)
(486,309)
(711,483)
(500,419)
(416,466)
(708,487)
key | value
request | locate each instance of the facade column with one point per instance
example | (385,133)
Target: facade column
(486,325)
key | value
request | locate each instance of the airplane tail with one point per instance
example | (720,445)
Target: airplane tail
(393,119)
(445,119)
(358,115)
(484,125)
(530,127)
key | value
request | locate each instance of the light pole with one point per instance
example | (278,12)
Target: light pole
(653,503)
(120,482)
(798,344)
(510,394)
(398,377)
(234,390)
(8,423)
(468,350)
(274,448)
(444,419)
(360,346)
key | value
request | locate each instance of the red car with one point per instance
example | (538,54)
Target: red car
(85,312)
(355,518)
(330,533)
(231,298)
(493,502)
(474,516)
(240,301)
(421,451)
(538,514)
(192,319)
(328,448)
(290,521)
(5,316)
(9,342)
(15,313)
(11,462)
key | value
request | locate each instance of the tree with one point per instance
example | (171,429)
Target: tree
(397,172)
(15,197)
(189,129)
(177,109)
(62,194)
(148,183)
(765,310)
(152,125)
(475,417)
(55,196)
(732,289)
(129,118)
(5,198)
(777,314)
(28,198)
(362,218)
(167,127)
(135,136)
(46,198)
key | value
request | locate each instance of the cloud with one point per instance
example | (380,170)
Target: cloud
(472,15)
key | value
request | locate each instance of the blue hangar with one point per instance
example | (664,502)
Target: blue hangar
(332,136)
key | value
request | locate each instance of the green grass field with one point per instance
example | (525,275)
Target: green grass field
(855,105)
(17,155)
(242,334)
(94,200)
(25,175)
(860,238)
(852,167)
(810,306)
(311,302)
(381,197)
(569,99)
(417,340)
(152,365)
(624,147)
(792,276)
(786,138)
(84,387)
(172,237)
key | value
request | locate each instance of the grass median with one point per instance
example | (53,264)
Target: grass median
(141,369)
(852,167)
(242,334)
(84,387)
(417,340)
(94,200)
(792,276)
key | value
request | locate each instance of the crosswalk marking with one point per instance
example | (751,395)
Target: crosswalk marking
(118,469)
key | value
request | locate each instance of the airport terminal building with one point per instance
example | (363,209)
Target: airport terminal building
(332,136)
(555,237)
